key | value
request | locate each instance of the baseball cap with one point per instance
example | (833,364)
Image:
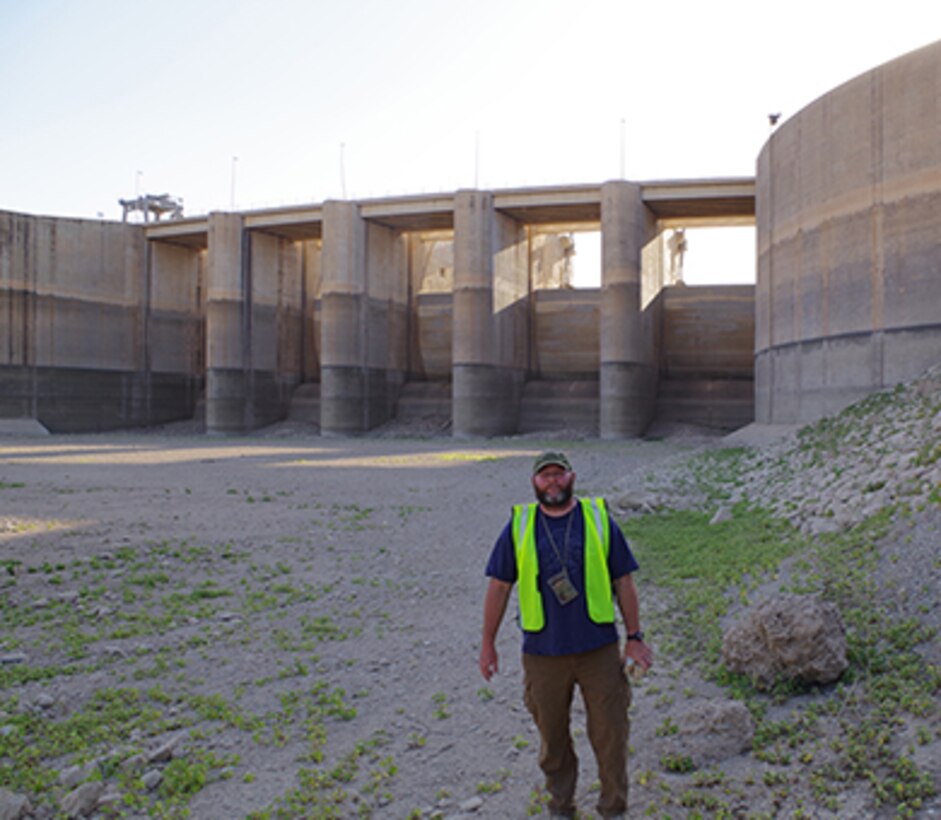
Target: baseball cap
(551,457)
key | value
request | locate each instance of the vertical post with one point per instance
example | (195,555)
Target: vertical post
(343,378)
(628,373)
(228,327)
(488,362)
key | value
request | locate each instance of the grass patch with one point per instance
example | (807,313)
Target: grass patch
(705,567)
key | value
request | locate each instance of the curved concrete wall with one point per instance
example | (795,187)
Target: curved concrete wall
(848,208)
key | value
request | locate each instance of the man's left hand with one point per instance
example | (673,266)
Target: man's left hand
(639,652)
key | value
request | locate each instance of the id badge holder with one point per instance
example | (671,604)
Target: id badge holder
(562,587)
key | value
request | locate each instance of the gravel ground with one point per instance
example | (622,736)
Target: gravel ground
(348,572)
(373,549)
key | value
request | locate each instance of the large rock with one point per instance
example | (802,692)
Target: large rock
(14,806)
(711,732)
(789,637)
(634,501)
(82,801)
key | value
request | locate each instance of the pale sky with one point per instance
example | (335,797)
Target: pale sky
(101,99)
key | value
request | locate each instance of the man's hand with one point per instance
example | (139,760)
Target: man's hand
(489,663)
(638,651)
(630,611)
(498,593)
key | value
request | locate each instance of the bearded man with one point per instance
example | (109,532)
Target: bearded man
(570,562)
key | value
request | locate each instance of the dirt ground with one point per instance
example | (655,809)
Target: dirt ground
(392,535)
(247,572)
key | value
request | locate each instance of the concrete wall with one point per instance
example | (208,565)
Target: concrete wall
(97,330)
(310,252)
(430,329)
(277,324)
(566,335)
(706,354)
(433,334)
(704,347)
(849,263)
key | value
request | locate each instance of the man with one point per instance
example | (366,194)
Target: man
(567,555)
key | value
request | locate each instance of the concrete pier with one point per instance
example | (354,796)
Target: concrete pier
(628,373)
(490,315)
(228,327)
(363,328)
(253,326)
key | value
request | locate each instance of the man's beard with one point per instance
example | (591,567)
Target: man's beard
(555,498)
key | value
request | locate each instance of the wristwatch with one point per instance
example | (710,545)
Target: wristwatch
(636,636)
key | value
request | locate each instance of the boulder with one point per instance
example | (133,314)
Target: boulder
(82,801)
(789,637)
(14,806)
(74,775)
(634,501)
(152,779)
(711,732)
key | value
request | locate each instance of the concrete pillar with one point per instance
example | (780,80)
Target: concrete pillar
(628,379)
(228,327)
(362,342)
(490,333)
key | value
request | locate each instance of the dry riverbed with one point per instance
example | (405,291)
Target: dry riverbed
(299,615)
(285,625)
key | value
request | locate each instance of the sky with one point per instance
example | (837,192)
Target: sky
(259,103)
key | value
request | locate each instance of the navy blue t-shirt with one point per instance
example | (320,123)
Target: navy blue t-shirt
(568,628)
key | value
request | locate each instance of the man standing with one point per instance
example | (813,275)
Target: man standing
(570,561)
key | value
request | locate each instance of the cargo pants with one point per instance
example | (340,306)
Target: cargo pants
(549,685)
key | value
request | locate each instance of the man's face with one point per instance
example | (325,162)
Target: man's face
(553,485)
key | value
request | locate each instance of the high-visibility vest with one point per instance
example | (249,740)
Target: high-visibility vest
(597,577)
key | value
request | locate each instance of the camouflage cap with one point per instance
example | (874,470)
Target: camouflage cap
(551,457)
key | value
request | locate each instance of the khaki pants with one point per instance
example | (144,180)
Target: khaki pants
(549,685)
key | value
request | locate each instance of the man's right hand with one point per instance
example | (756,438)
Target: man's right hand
(489,663)
(498,593)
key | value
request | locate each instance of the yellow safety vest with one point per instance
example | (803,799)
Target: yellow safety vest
(597,577)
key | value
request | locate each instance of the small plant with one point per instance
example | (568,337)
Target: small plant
(441,705)
(485,693)
(677,763)
(668,727)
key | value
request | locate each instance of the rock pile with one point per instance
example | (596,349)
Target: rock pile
(833,474)
(83,789)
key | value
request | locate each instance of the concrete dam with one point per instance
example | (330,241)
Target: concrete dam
(452,306)
(366,311)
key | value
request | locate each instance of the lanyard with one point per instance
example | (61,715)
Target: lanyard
(563,558)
